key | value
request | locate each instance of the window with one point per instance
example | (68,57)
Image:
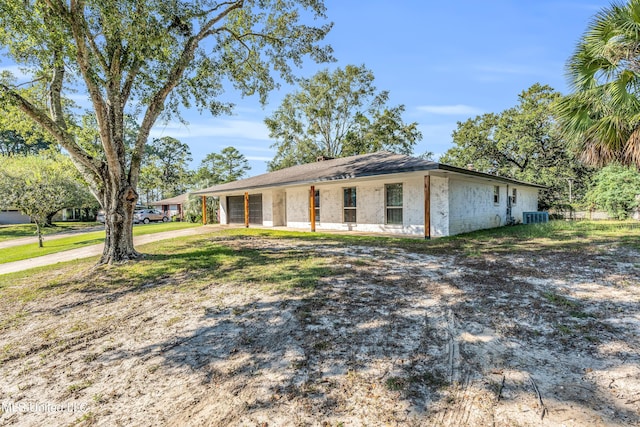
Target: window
(514,197)
(394,203)
(496,194)
(349,204)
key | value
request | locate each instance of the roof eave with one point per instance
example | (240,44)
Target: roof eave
(431,166)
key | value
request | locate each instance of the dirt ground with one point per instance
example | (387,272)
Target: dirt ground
(390,337)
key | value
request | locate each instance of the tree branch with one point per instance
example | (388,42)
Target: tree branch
(55,91)
(80,31)
(59,133)
(177,71)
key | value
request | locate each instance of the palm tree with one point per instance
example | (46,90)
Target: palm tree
(602,115)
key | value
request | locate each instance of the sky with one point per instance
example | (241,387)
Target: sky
(445,61)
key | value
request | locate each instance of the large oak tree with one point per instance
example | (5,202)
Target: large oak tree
(148,58)
(337,114)
(524,143)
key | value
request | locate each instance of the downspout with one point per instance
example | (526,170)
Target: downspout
(509,220)
(427,207)
(312,206)
(246,209)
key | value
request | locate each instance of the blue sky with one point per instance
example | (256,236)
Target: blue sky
(445,61)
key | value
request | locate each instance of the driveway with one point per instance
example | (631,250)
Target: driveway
(94,250)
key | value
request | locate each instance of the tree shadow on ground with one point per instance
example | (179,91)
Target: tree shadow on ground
(377,332)
(328,333)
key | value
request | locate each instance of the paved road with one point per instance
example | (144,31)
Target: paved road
(94,250)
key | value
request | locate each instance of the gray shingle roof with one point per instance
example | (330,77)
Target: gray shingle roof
(360,166)
(177,200)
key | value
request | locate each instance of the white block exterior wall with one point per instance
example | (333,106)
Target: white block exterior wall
(439,206)
(472,206)
(267,208)
(526,201)
(370,209)
(222,211)
(457,205)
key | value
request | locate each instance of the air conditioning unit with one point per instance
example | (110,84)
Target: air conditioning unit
(535,217)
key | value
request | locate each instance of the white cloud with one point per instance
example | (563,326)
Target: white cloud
(260,158)
(244,129)
(450,110)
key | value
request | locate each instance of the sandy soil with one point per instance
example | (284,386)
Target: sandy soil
(390,338)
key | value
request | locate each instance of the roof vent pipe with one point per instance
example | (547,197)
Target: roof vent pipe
(323,158)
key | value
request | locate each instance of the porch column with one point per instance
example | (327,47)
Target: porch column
(427,207)
(204,210)
(246,209)
(312,205)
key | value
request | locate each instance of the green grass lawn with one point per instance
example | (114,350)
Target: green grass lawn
(554,236)
(210,256)
(16,231)
(17,253)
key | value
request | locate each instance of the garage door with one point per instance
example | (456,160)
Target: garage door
(235,208)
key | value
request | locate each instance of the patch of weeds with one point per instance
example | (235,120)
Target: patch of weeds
(13,320)
(79,326)
(49,334)
(299,364)
(74,389)
(90,357)
(109,347)
(472,252)
(27,368)
(245,339)
(99,399)
(433,380)
(23,387)
(564,329)
(6,352)
(153,368)
(322,345)
(396,383)
(559,300)
(237,311)
(172,321)
(303,314)
(88,418)
(580,314)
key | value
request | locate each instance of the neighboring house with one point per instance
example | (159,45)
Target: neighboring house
(378,192)
(13,216)
(173,206)
(75,214)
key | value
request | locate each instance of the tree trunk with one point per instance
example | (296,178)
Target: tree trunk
(49,221)
(118,242)
(39,231)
